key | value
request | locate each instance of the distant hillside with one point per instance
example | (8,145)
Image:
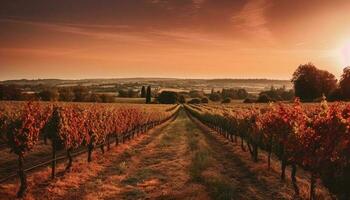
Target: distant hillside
(55,82)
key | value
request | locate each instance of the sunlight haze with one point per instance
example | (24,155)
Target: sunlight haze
(180,38)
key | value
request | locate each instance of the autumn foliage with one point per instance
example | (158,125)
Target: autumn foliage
(314,137)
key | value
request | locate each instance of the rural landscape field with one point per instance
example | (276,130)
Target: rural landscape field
(175,100)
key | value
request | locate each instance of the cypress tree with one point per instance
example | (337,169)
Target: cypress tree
(143,92)
(148,94)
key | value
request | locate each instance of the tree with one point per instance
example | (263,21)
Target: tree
(311,83)
(195,101)
(95,98)
(204,100)
(328,82)
(123,93)
(182,99)
(66,94)
(167,97)
(234,93)
(280,94)
(143,92)
(264,99)
(81,94)
(49,95)
(226,100)
(107,98)
(215,96)
(10,92)
(344,83)
(242,94)
(149,94)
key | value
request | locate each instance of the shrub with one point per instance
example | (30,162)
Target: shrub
(226,100)
(204,100)
(215,97)
(182,99)
(194,101)
(264,99)
(168,97)
(248,100)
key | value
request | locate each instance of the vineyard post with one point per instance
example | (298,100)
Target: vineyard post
(22,177)
(283,168)
(269,159)
(312,186)
(116,140)
(294,180)
(269,148)
(108,142)
(102,148)
(90,148)
(53,163)
(70,159)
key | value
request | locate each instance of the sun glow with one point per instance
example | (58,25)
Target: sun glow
(346,54)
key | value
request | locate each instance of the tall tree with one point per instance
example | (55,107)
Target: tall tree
(143,92)
(149,94)
(344,83)
(311,83)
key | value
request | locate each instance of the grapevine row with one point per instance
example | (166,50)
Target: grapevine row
(315,138)
(69,127)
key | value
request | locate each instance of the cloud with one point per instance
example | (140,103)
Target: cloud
(253,21)
(114,32)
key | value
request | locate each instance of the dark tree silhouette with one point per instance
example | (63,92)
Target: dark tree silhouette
(143,92)
(10,92)
(204,100)
(311,83)
(344,83)
(167,97)
(66,94)
(279,94)
(182,99)
(264,99)
(215,96)
(195,101)
(149,94)
(49,95)
(81,94)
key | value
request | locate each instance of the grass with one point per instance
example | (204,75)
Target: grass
(170,137)
(220,189)
(121,168)
(200,162)
(142,175)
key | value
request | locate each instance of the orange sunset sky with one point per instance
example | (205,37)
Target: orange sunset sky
(75,39)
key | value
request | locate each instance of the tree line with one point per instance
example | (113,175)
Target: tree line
(311,83)
(67,94)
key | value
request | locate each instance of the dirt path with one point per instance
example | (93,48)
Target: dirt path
(181,160)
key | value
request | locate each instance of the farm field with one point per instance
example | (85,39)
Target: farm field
(179,159)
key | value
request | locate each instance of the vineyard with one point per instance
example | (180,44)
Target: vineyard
(315,138)
(72,128)
(309,141)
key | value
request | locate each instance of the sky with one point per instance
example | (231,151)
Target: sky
(74,39)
